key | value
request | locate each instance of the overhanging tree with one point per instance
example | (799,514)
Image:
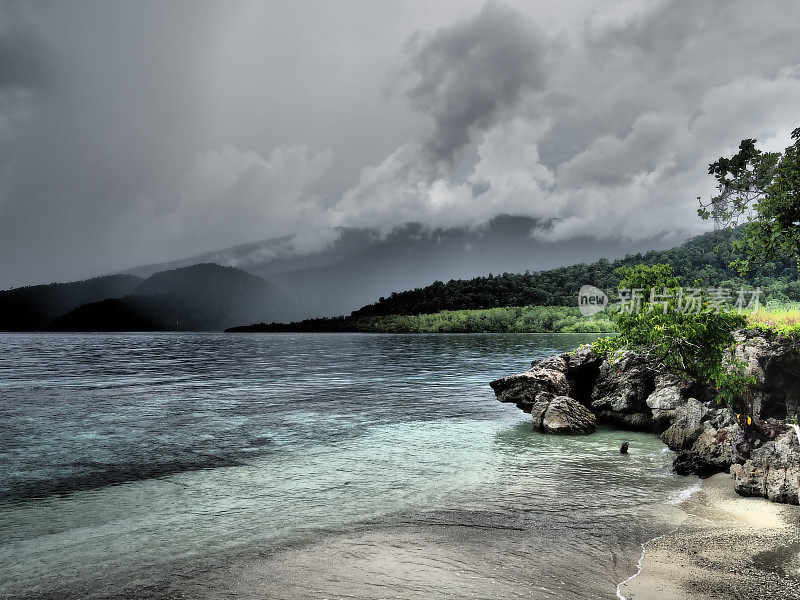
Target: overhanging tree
(761,190)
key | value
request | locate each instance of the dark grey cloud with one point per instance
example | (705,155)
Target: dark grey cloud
(468,72)
(91,145)
(24,61)
(125,104)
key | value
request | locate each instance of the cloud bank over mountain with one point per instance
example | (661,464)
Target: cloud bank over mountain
(133,133)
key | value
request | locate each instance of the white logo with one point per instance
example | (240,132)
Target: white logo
(591,300)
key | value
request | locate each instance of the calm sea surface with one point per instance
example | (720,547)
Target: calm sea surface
(307,466)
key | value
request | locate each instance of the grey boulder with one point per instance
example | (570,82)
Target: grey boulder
(562,415)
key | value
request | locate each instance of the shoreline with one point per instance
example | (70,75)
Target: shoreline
(725,546)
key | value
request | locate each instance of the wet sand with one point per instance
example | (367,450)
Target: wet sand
(444,561)
(726,547)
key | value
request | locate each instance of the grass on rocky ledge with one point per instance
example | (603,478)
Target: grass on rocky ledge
(783,318)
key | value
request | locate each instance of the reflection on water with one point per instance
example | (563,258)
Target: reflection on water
(297,465)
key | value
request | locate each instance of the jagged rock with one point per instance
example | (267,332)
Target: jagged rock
(562,415)
(774,361)
(642,394)
(687,426)
(616,393)
(582,358)
(703,436)
(773,471)
(757,434)
(545,379)
(671,391)
(636,392)
(551,363)
(711,453)
(621,390)
(583,371)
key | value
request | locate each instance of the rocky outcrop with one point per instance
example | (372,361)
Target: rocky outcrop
(774,361)
(702,435)
(634,392)
(773,471)
(563,415)
(637,392)
(689,423)
(711,453)
(546,379)
(582,370)
(621,391)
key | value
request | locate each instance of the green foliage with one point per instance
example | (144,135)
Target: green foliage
(733,386)
(692,342)
(703,261)
(514,319)
(763,188)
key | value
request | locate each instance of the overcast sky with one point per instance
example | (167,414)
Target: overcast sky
(134,132)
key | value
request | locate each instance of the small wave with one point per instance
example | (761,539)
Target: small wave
(640,563)
(674,499)
(682,496)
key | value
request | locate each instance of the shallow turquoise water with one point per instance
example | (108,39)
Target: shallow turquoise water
(213,465)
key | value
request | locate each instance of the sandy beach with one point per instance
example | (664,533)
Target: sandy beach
(726,547)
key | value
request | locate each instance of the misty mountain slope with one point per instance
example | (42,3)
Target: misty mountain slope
(361,265)
(205,297)
(276,255)
(209,296)
(702,261)
(413,257)
(33,307)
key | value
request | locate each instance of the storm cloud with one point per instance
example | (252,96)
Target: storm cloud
(469,72)
(606,129)
(139,132)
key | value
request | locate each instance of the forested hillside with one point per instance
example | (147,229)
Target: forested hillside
(704,259)
(33,307)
